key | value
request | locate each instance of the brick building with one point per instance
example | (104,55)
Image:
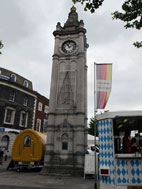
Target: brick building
(18,107)
(41,115)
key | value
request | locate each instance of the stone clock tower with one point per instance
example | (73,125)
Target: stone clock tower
(67,121)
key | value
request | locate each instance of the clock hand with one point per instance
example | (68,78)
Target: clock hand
(69,45)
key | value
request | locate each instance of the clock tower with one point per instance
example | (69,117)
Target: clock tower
(67,121)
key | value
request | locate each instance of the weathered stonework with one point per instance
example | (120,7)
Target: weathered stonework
(67,119)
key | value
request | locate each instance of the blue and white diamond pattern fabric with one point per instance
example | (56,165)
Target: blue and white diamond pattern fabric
(106,155)
(136,172)
(122,172)
(129,172)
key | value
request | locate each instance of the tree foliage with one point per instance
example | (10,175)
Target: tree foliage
(90,5)
(131,13)
(92,125)
(1,46)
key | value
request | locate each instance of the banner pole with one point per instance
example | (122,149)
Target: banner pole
(95,102)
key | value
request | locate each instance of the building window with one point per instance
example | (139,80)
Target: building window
(64,146)
(64,139)
(25,103)
(27,141)
(12,96)
(9,115)
(46,109)
(45,125)
(25,84)
(13,77)
(38,125)
(40,106)
(45,121)
(23,119)
(5,142)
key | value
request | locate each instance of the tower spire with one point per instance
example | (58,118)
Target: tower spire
(71,26)
(72,18)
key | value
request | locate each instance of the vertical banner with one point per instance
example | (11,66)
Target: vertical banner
(103,84)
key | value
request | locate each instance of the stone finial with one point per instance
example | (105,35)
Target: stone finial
(73,9)
(81,24)
(58,26)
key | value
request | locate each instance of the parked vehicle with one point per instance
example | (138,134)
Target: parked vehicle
(28,150)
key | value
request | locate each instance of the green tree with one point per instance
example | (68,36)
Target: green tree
(1,46)
(91,127)
(131,13)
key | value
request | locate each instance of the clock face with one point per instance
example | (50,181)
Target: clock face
(68,46)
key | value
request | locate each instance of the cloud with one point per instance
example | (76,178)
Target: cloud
(26,29)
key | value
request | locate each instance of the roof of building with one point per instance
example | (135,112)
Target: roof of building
(14,77)
(110,115)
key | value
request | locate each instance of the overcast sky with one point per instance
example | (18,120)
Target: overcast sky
(26,28)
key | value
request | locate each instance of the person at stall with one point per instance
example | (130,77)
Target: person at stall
(133,145)
(127,142)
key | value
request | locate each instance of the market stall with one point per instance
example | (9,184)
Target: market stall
(120,149)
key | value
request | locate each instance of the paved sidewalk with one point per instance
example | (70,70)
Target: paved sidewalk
(4,165)
(36,180)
